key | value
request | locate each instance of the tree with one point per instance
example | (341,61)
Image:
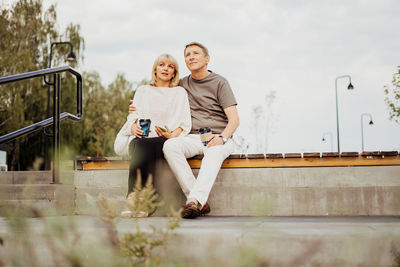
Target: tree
(105,111)
(263,118)
(26,32)
(392,98)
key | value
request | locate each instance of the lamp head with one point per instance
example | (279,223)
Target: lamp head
(371,122)
(71,56)
(350,87)
(323,139)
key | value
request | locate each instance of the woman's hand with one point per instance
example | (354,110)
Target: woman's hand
(132,108)
(136,130)
(168,134)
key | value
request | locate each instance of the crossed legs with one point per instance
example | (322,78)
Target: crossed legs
(177,150)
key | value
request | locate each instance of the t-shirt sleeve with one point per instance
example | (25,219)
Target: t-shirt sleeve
(226,98)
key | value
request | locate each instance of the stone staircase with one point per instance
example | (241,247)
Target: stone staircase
(23,190)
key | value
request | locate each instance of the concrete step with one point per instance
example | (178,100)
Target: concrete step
(26,177)
(28,192)
(233,241)
(33,208)
(48,199)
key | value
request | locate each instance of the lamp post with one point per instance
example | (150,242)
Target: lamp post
(331,137)
(349,87)
(362,128)
(70,57)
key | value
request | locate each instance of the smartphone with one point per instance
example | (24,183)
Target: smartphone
(162,128)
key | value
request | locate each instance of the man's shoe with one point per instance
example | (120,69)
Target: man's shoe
(205,210)
(191,210)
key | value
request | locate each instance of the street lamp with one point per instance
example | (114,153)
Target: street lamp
(70,57)
(362,128)
(349,87)
(331,137)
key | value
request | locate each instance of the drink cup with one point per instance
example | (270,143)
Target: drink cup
(145,124)
(205,135)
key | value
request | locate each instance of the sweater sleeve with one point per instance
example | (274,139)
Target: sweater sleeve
(124,136)
(184,112)
(132,117)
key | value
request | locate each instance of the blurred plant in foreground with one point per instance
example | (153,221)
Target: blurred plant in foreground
(138,247)
(61,241)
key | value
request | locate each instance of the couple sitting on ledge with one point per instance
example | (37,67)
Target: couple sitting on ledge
(180,110)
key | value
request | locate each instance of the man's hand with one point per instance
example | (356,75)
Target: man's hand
(136,130)
(168,134)
(215,141)
(132,108)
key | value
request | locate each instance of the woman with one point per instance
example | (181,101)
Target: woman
(165,104)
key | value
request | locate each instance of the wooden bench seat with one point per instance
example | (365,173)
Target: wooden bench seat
(313,159)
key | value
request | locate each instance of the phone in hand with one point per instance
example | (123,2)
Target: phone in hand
(162,129)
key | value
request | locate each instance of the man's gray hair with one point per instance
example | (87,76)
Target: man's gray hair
(205,50)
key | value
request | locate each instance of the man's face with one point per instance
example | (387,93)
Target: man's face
(195,58)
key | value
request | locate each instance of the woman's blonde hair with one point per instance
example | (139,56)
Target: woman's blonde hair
(175,79)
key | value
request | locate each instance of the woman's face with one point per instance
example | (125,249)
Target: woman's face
(165,71)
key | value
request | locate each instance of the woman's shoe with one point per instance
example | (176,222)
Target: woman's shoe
(126,214)
(130,207)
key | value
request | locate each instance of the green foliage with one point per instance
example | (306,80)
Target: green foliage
(26,33)
(145,198)
(396,255)
(138,247)
(392,98)
(105,111)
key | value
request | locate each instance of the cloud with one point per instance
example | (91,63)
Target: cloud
(296,48)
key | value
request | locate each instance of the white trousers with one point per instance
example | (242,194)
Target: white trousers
(177,150)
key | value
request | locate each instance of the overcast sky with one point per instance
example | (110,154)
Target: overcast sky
(293,50)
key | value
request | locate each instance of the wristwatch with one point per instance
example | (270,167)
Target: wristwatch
(223,138)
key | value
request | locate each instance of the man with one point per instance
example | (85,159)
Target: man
(213,105)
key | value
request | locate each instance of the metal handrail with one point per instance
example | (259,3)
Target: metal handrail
(44,72)
(36,127)
(57,117)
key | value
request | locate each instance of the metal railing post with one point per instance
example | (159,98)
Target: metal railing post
(56,129)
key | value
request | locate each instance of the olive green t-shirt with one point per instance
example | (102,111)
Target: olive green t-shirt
(208,98)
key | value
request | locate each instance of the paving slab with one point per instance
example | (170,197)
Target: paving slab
(279,241)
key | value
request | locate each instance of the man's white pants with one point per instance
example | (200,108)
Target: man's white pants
(177,150)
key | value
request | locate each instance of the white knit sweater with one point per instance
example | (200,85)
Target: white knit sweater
(163,105)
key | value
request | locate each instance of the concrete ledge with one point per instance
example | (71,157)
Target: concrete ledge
(91,186)
(300,191)
(325,191)
(307,191)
